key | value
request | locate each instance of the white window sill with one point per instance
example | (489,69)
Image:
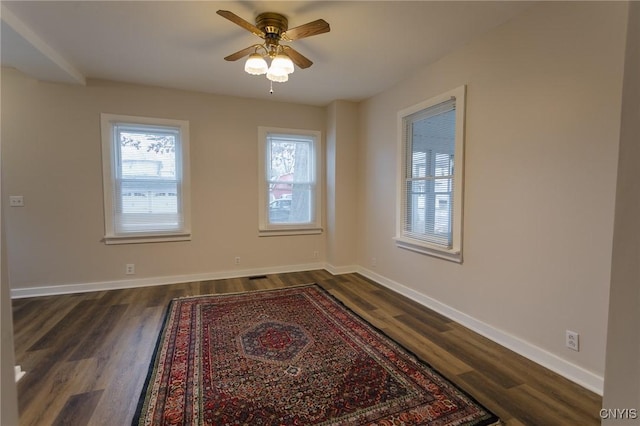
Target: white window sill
(137,239)
(453,255)
(288,231)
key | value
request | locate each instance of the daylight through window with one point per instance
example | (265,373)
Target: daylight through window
(430,207)
(289,198)
(146,196)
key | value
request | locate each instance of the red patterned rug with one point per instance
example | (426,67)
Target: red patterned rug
(292,356)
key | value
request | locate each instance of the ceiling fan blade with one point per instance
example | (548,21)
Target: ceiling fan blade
(316,27)
(241,53)
(241,22)
(297,57)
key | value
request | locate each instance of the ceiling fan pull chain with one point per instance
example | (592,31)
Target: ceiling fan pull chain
(271,90)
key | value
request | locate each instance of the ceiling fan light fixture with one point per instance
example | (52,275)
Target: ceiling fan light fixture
(273,28)
(283,62)
(256,65)
(278,75)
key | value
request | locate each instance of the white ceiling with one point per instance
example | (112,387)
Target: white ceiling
(181,44)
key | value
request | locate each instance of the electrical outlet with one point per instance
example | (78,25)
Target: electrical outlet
(130,269)
(16,201)
(315,254)
(374,262)
(237,260)
(572,340)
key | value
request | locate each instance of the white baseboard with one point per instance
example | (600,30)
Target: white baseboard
(20,293)
(573,372)
(19,373)
(340,270)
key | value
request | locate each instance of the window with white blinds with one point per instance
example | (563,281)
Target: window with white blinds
(289,184)
(145,175)
(430,185)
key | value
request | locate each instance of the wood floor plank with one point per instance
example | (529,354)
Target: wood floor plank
(545,410)
(482,358)
(78,409)
(428,351)
(71,323)
(104,325)
(54,390)
(30,326)
(87,355)
(492,395)
(426,328)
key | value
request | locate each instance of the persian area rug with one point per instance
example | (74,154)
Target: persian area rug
(292,356)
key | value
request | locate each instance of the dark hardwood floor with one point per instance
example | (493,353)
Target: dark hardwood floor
(87,355)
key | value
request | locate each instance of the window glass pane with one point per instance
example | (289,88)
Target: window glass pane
(429,174)
(147,172)
(290,179)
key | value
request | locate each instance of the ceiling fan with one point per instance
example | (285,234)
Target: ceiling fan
(273,28)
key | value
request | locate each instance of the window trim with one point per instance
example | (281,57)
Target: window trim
(266,229)
(109,158)
(402,240)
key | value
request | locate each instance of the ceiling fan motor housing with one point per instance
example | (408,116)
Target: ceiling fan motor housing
(272,24)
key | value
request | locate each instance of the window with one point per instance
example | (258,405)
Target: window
(146,179)
(429,218)
(289,193)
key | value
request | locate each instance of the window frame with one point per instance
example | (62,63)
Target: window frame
(402,237)
(109,166)
(265,228)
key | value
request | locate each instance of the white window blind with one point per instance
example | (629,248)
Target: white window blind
(429,179)
(146,193)
(429,211)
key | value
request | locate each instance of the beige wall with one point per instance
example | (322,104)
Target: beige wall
(622,373)
(543,113)
(342,166)
(52,156)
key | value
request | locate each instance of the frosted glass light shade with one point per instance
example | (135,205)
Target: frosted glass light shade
(256,65)
(277,74)
(284,62)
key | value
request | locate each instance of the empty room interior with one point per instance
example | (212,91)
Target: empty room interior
(462,176)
